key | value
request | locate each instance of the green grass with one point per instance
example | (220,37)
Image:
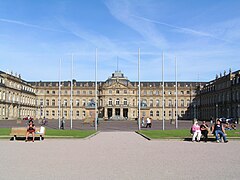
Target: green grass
(233,133)
(56,133)
(167,134)
(69,133)
(160,134)
(5,131)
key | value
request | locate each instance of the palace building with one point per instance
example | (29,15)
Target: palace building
(17,97)
(117,98)
(220,97)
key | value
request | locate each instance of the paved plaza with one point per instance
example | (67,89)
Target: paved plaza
(103,125)
(118,155)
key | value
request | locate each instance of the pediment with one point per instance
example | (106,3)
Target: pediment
(117,85)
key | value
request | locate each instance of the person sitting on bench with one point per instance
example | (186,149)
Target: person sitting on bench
(30,130)
(219,130)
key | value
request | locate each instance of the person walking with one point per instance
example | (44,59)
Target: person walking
(62,123)
(196,132)
(149,122)
(143,122)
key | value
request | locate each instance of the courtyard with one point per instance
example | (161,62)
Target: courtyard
(118,155)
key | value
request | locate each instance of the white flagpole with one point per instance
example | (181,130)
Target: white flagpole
(96,107)
(176,89)
(59,94)
(71,98)
(139,91)
(163,98)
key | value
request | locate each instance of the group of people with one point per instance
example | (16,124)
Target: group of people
(203,129)
(147,123)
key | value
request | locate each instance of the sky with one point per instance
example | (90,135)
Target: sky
(204,37)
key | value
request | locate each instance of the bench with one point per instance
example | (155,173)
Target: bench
(21,132)
(211,137)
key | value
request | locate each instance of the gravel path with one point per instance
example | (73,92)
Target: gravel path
(118,155)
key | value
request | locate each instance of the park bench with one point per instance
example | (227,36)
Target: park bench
(21,132)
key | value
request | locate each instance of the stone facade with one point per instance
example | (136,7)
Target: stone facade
(220,97)
(117,99)
(17,97)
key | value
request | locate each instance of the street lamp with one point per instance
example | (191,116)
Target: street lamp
(238,113)
(216,111)
(194,111)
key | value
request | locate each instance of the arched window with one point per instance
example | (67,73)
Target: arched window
(144,103)
(110,102)
(77,102)
(157,103)
(157,113)
(47,102)
(53,102)
(125,102)
(151,113)
(117,101)
(151,103)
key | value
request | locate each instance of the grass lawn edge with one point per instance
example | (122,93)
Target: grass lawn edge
(177,138)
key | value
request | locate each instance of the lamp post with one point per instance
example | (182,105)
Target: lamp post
(194,112)
(238,113)
(216,111)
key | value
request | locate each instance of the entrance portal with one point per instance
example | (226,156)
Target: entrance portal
(125,113)
(117,111)
(109,112)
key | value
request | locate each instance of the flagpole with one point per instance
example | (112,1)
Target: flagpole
(71,100)
(163,98)
(176,89)
(139,91)
(96,105)
(59,94)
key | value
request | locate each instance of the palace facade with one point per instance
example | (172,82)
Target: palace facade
(220,97)
(17,97)
(117,99)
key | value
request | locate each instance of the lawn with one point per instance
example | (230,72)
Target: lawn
(5,131)
(179,134)
(69,133)
(160,134)
(56,133)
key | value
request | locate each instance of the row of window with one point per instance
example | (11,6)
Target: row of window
(144,92)
(12,97)
(170,113)
(118,102)
(221,97)
(157,113)
(65,113)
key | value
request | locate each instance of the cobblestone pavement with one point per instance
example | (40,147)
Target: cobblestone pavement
(120,156)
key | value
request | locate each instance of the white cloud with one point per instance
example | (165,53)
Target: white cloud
(124,11)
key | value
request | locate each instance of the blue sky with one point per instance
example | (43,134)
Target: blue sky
(203,35)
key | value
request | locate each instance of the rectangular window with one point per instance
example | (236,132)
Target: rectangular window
(65,113)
